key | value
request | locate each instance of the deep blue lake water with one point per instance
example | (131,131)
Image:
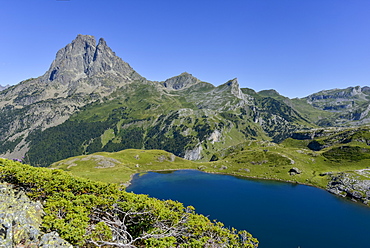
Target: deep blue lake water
(280,215)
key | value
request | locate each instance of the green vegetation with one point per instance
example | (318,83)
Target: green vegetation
(258,159)
(62,141)
(96,214)
(351,153)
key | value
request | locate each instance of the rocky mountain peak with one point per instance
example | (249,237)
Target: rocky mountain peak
(84,58)
(235,89)
(181,81)
(233,86)
(82,72)
(232,82)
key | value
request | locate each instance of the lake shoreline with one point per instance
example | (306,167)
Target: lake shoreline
(128,183)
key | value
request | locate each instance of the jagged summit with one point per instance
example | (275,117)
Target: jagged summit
(232,86)
(84,58)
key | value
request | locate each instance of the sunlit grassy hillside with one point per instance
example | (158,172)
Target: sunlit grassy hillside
(292,160)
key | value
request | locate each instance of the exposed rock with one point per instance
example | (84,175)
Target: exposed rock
(172,157)
(194,154)
(293,171)
(84,72)
(338,94)
(332,136)
(161,158)
(104,162)
(326,174)
(348,185)
(100,161)
(233,87)
(182,81)
(259,162)
(169,158)
(215,136)
(20,220)
(52,240)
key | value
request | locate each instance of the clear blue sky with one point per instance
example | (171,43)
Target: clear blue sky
(297,47)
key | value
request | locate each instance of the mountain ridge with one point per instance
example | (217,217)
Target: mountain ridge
(88,87)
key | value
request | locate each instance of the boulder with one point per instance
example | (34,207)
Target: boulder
(293,171)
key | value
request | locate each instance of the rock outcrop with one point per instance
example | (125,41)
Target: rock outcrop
(195,154)
(20,221)
(351,186)
(293,171)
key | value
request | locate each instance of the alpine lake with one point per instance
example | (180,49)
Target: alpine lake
(278,214)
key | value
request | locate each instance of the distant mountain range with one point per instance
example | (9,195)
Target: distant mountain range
(91,100)
(4,87)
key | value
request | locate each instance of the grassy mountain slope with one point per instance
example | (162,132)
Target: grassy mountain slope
(117,167)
